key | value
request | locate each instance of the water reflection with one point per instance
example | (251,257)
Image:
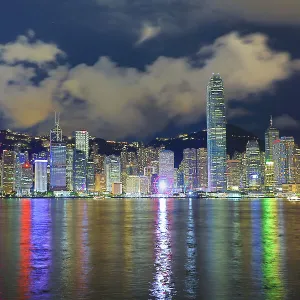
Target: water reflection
(273,286)
(163,287)
(118,249)
(191,253)
(25,249)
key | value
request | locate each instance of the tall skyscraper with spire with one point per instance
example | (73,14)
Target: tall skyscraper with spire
(271,135)
(216,134)
(57,158)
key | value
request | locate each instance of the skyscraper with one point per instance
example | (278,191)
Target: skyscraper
(70,168)
(284,161)
(40,175)
(82,142)
(112,171)
(271,135)
(202,168)
(79,174)
(216,134)
(253,166)
(26,179)
(57,158)
(190,168)
(8,171)
(166,171)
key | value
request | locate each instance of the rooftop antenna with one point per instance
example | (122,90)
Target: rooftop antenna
(271,121)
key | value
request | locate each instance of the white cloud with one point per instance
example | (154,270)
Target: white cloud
(148,32)
(117,102)
(285,121)
(26,49)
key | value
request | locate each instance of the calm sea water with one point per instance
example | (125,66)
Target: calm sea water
(149,249)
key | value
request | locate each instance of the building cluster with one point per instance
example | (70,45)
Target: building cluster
(76,167)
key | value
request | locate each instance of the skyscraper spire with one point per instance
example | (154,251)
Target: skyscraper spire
(271,121)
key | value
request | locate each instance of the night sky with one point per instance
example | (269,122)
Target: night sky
(135,69)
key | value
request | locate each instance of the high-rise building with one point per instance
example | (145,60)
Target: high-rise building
(90,176)
(271,135)
(233,174)
(284,161)
(79,175)
(190,169)
(202,168)
(69,168)
(8,171)
(216,134)
(40,175)
(253,166)
(57,158)
(82,142)
(26,179)
(21,158)
(297,164)
(269,176)
(112,171)
(137,185)
(166,171)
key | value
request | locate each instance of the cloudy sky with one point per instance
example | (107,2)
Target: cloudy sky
(128,69)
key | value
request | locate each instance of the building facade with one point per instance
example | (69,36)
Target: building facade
(40,175)
(216,135)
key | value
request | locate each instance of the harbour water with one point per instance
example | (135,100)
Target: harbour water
(149,249)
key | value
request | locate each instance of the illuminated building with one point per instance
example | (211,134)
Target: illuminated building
(154,185)
(40,175)
(82,142)
(116,188)
(21,158)
(202,168)
(166,171)
(80,164)
(269,176)
(297,164)
(233,174)
(100,183)
(90,176)
(155,165)
(8,171)
(271,135)
(216,135)
(284,161)
(137,185)
(253,166)
(26,179)
(190,168)
(57,158)
(69,167)
(112,171)
(180,178)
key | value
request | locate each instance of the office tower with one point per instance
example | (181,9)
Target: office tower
(69,168)
(21,158)
(116,188)
(284,161)
(79,174)
(8,171)
(166,171)
(297,164)
(100,183)
(57,158)
(233,174)
(253,166)
(137,185)
(271,135)
(216,135)
(180,178)
(40,175)
(202,172)
(90,177)
(154,185)
(269,179)
(112,171)
(190,168)
(26,179)
(82,142)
